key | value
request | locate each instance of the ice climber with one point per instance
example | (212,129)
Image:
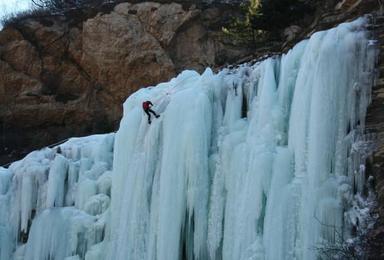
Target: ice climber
(147,108)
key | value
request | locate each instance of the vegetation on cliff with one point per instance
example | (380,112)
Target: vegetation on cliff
(263,20)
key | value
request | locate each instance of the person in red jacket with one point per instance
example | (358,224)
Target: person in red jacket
(147,108)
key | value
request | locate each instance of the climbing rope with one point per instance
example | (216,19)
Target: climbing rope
(166,93)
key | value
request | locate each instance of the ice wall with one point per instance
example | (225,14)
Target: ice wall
(257,162)
(66,191)
(250,163)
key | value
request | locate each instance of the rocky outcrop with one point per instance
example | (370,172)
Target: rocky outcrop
(62,78)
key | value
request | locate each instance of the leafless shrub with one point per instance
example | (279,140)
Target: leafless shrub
(14,18)
(71,9)
(65,5)
(355,246)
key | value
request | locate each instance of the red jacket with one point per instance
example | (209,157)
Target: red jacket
(147,105)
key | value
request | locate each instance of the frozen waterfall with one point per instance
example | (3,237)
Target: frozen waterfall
(68,189)
(249,163)
(255,162)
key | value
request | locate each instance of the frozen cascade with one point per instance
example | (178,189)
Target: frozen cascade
(249,163)
(46,183)
(256,162)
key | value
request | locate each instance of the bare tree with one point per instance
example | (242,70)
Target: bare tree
(63,5)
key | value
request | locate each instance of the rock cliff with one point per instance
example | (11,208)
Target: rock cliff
(62,77)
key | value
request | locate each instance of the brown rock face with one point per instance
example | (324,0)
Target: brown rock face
(375,127)
(60,78)
(120,55)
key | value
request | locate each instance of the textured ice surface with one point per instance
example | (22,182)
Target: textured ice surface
(249,163)
(257,162)
(44,185)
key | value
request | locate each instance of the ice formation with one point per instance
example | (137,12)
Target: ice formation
(249,163)
(66,190)
(255,162)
